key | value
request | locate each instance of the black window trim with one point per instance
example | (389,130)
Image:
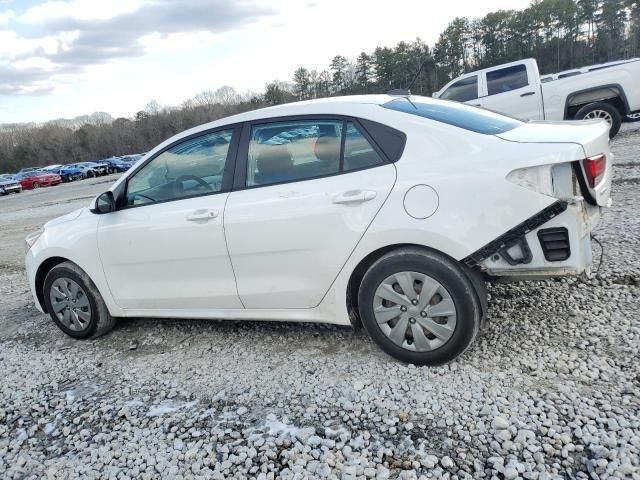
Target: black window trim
(227,175)
(242,156)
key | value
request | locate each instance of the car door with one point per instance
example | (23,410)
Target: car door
(307,190)
(165,247)
(512,90)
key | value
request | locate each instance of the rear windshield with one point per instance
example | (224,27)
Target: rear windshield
(456,114)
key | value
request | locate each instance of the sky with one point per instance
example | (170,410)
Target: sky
(64,58)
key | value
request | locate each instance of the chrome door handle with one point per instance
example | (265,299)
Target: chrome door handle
(203,214)
(355,196)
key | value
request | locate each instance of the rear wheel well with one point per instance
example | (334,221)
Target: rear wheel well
(616,102)
(44,268)
(358,273)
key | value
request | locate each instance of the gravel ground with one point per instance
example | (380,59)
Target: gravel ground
(550,390)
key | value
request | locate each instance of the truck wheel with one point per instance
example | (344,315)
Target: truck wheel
(74,303)
(419,306)
(604,111)
(632,117)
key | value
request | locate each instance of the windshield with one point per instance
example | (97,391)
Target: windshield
(459,115)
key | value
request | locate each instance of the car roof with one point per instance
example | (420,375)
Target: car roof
(338,105)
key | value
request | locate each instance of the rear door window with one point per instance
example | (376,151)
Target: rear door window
(297,150)
(463,90)
(507,79)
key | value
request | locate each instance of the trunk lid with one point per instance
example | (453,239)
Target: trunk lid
(591,135)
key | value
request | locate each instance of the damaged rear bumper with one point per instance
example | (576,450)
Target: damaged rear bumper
(553,243)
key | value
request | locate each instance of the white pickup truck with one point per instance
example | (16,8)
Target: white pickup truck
(608,91)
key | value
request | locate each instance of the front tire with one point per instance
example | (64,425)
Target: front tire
(419,306)
(74,302)
(604,111)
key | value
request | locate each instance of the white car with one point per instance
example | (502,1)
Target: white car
(386,211)
(609,91)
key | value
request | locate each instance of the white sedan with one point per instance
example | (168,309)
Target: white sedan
(383,211)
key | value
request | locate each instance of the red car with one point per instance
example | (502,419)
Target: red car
(38,179)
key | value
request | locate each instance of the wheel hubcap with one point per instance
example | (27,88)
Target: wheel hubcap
(414,311)
(70,304)
(600,114)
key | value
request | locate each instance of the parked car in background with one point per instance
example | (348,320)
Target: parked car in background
(607,91)
(115,165)
(378,210)
(132,159)
(8,184)
(29,169)
(68,174)
(89,169)
(38,178)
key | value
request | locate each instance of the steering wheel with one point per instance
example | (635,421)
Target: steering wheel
(178,186)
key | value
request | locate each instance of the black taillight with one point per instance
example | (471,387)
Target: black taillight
(555,243)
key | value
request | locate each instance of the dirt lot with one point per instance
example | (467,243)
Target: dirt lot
(550,390)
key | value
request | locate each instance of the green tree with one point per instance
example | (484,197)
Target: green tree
(364,72)
(276,93)
(338,68)
(302,83)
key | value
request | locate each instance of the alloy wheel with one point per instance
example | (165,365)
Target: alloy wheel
(414,311)
(70,304)
(600,114)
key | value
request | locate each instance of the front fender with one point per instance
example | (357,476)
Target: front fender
(72,237)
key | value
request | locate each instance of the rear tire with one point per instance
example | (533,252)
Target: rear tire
(604,111)
(35,185)
(74,302)
(438,324)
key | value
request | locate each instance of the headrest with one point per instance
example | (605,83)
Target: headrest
(273,159)
(327,149)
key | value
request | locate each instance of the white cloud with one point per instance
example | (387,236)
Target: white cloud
(116,55)
(158,43)
(6,16)
(79,9)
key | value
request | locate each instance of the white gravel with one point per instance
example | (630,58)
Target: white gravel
(550,390)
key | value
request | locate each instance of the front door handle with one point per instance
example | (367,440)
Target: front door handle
(526,94)
(354,196)
(202,214)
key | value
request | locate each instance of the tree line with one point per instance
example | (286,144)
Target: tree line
(559,34)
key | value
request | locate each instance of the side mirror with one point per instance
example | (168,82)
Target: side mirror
(105,203)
